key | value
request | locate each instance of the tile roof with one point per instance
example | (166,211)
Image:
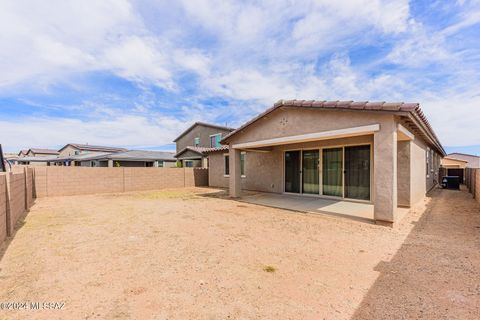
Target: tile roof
(43,151)
(89,147)
(132,155)
(390,107)
(201,150)
(203,124)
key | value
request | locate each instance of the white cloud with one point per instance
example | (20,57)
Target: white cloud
(249,54)
(126,131)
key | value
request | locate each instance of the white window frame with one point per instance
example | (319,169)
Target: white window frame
(244,153)
(195,143)
(225,155)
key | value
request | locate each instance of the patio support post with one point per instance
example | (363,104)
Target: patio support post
(385,173)
(234,179)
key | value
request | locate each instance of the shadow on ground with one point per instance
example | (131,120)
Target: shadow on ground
(4,246)
(436,272)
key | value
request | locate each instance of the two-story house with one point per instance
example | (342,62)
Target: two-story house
(199,138)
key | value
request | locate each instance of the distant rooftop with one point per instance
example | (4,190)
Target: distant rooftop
(88,147)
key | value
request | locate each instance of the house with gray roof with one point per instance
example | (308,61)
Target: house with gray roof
(196,141)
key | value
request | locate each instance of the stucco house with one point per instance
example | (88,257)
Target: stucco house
(72,149)
(36,156)
(131,158)
(386,154)
(472,161)
(22,153)
(36,152)
(193,144)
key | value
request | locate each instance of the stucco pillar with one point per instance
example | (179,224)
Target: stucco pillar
(385,173)
(234,179)
(110,163)
(403,173)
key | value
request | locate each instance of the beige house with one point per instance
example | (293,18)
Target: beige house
(72,149)
(472,161)
(35,152)
(385,154)
(193,144)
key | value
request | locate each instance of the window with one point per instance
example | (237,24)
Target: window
(242,164)
(226,164)
(196,141)
(428,162)
(215,140)
(188,163)
(160,164)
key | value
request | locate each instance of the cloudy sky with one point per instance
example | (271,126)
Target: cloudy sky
(136,73)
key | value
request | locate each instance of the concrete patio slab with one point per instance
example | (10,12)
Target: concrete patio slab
(350,209)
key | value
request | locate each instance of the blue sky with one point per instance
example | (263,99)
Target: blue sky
(137,73)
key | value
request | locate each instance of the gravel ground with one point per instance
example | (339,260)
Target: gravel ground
(191,254)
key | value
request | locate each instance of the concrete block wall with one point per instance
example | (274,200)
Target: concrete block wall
(65,181)
(477,185)
(3,207)
(29,190)
(16,199)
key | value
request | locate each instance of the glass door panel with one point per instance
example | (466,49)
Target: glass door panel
(292,171)
(332,166)
(357,172)
(310,171)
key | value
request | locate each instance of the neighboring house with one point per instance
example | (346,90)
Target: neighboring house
(454,167)
(193,144)
(72,149)
(381,153)
(131,158)
(36,157)
(473,161)
(35,152)
(22,153)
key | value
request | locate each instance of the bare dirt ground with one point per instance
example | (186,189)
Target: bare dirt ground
(181,254)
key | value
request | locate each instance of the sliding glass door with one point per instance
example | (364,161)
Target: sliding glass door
(310,176)
(345,172)
(357,172)
(332,167)
(292,171)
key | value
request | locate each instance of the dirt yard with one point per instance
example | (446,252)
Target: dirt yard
(190,254)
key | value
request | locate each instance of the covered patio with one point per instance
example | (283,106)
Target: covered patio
(353,210)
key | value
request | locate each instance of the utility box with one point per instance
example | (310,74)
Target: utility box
(451,182)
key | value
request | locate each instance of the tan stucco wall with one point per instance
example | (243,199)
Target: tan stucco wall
(68,151)
(215,171)
(403,173)
(288,121)
(418,186)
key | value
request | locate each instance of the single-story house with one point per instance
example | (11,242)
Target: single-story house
(131,158)
(473,161)
(72,149)
(193,144)
(385,154)
(22,153)
(36,152)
